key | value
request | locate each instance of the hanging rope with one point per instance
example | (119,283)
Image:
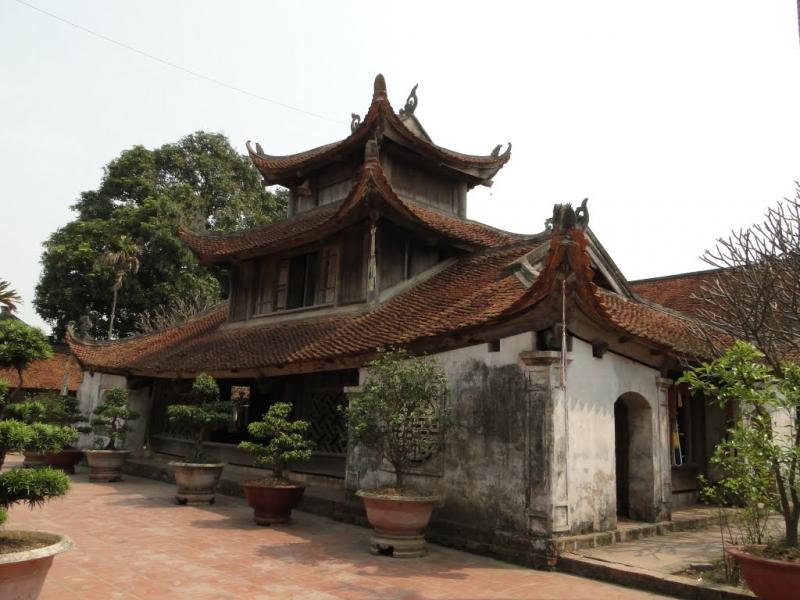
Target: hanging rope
(564,334)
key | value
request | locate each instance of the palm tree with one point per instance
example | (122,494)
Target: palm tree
(9,299)
(125,261)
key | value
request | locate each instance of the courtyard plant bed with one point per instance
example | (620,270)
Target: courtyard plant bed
(398,416)
(273,498)
(110,423)
(197,479)
(759,463)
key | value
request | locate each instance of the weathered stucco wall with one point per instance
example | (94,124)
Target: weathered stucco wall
(91,393)
(593,386)
(481,470)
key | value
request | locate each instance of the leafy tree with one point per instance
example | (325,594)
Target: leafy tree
(20,345)
(204,416)
(51,438)
(400,394)
(111,418)
(15,436)
(760,459)
(8,297)
(287,439)
(124,261)
(145,195)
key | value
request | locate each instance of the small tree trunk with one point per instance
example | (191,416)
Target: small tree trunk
(399,477)
(277,467)
(791,521)
(18,390)
(111,315)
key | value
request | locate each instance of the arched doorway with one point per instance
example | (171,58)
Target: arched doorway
(633,436)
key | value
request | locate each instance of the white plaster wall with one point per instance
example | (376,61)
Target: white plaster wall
(90,395)
(482,470)
(593,386)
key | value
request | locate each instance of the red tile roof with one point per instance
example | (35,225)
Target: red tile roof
(475,291)
(47,374)
(380,117)
(676,291)
(316,223)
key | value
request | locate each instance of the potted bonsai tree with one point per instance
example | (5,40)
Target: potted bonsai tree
(28,412)
(759,461)
(273,498)
(64,411)
(110,423)
(400,395)
(26,556)
(47,438)
(196,477)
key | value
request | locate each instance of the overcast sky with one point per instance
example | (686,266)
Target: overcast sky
(679,120)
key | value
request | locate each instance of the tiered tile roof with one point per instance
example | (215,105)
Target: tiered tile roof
(379,118)
(373,185)
(477,290)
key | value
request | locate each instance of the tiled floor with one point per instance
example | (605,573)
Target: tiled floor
(132,542)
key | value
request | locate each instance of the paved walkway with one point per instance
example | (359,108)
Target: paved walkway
(133,542)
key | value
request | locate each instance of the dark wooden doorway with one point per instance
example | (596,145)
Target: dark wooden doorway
(622,447)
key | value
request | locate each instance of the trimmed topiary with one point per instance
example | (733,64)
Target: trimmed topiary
(205,415)
(287,439)
(111,418)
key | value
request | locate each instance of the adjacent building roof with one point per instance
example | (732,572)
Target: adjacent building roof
(680,292)
(372,185)
(379,120)
(44,375)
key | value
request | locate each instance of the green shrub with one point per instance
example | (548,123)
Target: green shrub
(15,436)
(400,393)
(205,415)
(51,438)
(759,461)
(20,345)
(111,418)
(30,486)
(287,439)
(27,411)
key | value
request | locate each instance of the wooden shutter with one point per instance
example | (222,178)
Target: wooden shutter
(266,287)
(282,285)
(329,270)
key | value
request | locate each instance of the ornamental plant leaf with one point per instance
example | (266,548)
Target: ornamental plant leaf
(30,486)
(205,415)
(111,418)
(401,392)
(287,440)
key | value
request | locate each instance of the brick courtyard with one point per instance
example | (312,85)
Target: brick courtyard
(133,542)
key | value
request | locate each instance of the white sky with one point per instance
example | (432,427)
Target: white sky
(679,120)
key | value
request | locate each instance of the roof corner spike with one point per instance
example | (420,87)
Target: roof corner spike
(411,102)
(355,123)
(258,150)
(380,85)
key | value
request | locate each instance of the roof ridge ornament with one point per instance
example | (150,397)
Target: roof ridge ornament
(411,102)
(379,87)
(355,123)
(565,217)
(371,150)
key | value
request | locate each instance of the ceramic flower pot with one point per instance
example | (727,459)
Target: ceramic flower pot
(196,482)
(64,460)
(767,578)
(272,502)
(34,460)
(22,574)
(399,522)
(106,465)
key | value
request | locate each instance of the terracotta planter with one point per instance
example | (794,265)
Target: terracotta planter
(105,465)
(399,522)
(64,460)
(271,503)
(22,574)
(767,578)
(34,460)
(196,482)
